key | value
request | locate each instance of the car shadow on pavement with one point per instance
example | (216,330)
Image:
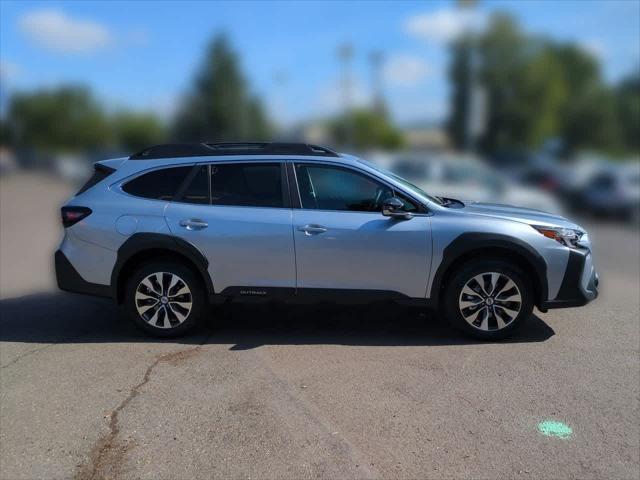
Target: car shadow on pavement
(66,318)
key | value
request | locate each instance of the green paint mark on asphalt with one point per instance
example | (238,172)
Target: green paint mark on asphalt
(555,429)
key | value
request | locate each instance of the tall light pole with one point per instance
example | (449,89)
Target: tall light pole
(345,55)
(376,60)
(474,121)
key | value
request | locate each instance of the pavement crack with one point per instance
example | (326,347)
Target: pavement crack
(39,349)
(107,453)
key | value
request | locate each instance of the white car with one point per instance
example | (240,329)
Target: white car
(469,180)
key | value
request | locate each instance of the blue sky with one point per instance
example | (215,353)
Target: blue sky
(143,55)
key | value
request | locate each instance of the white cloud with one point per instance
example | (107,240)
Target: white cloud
(595,47)
(444,25)
(405,70)
(54,30)
(331,97)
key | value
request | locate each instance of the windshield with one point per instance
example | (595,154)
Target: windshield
(408,185)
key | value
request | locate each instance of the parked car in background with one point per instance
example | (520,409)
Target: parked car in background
(611,191)
(467,179)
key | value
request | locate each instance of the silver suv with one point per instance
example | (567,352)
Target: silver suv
(173,228)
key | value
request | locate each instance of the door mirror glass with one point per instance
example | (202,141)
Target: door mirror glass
(394,207)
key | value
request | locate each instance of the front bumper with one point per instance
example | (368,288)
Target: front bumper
(579,285)
(70,280)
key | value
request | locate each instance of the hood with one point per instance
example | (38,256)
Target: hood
(519,214)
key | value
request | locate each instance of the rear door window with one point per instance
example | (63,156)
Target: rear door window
(247,184)
(158,185)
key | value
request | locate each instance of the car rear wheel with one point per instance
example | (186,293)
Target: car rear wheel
(488,299)
(165,299)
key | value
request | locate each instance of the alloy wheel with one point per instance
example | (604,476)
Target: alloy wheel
(490,301)
(163,300)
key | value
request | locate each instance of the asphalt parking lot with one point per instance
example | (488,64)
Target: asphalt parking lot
(308,392)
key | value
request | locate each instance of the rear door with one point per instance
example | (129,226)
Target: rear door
(238,215)
(343,242)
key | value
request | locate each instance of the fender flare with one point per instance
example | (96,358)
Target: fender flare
(139,242)
(471,241)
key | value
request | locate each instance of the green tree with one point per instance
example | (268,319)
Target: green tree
(219,107)
(587,116)
(365,128)
(536,89)
(61,119)
(135,131)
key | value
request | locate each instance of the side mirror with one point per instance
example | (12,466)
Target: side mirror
(392,207)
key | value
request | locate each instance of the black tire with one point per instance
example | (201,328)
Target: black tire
(173,319)
(453,306)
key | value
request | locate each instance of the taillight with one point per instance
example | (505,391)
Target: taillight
(72,215)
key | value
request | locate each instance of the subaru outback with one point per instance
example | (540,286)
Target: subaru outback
(174,228)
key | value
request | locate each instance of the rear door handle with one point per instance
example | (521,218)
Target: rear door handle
(312,229)
(193,224)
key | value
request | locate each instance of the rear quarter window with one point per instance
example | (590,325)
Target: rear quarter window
(160,184)
(100,172)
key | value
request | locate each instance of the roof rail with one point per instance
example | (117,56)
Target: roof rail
(170,150)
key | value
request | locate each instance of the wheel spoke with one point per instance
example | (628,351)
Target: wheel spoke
(503,314)
(174,318)
(489,282)
(154,283)
(181,310)
(500,284)
(167,279)
(151,314)
(182,290)
(508,290)
(499,319)
(475,285)
(484,325)
(176,287)
(513,306)
(147,288)
(469,297)
(162,316)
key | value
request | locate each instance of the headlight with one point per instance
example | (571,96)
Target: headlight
(566,236)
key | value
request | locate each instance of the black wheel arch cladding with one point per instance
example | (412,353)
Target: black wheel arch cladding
(469,242)
(139,243)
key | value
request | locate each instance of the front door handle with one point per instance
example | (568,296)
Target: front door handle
(312,229)
(193,224)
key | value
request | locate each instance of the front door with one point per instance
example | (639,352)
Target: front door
(243,226)
(343,241)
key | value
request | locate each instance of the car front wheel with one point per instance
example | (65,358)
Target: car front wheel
(488,299)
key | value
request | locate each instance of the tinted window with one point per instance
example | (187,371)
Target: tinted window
(334,188)
(246,184)
(159,184)
(100,173)
(198,189)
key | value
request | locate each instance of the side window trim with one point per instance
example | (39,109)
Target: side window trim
(286,190)
(179,196)
(294,190)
